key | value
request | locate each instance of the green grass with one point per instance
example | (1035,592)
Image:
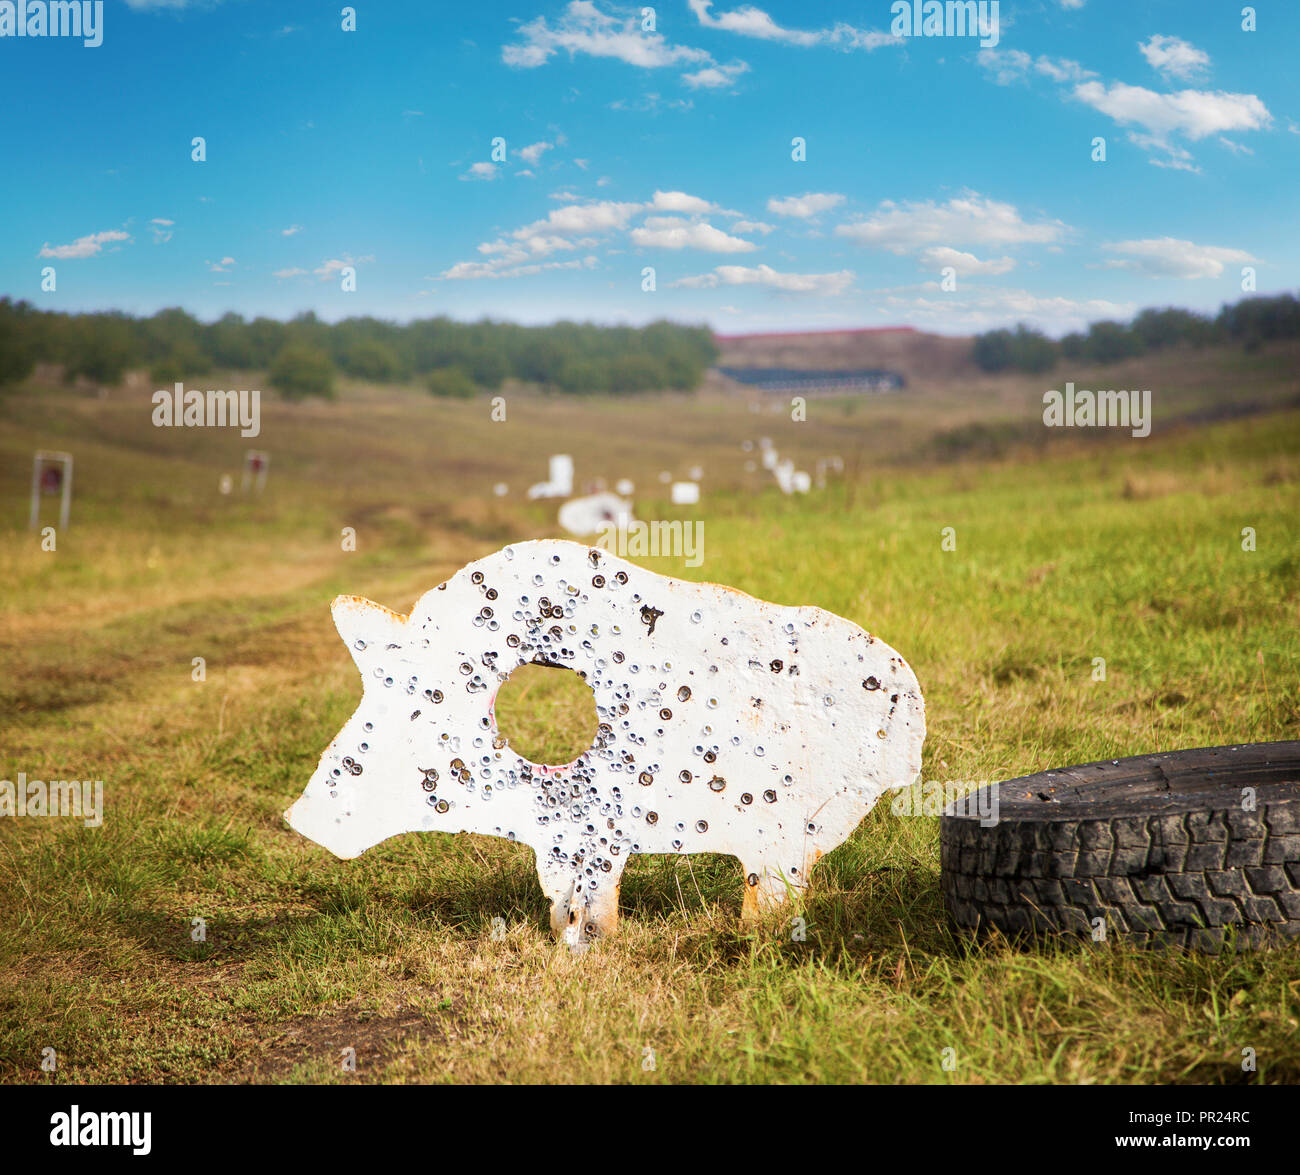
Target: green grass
(1065,552)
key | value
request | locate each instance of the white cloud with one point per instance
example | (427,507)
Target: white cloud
(748,21)
(481,171)
(1174,58)
(598,216)
(584,28)
(673,219)
(752,226)
(966,264)
(1062,69)
(163,221)
(563,230)
(764,275)
(1194,113)
(1176,158)
(161,228)
(983,308)
(845,36)
(284,273)
(225,265)
(680,202)
(969,219)
(1068,4)
(86,246)
(713,77)
(291,230)
(471,270)
(532,153)
(327,269)
(1168,257)
(1013,65)
(670,232)
(807,206)
(1006,65)
(653,103)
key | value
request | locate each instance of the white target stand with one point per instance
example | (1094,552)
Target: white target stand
(51,474)
(256,463)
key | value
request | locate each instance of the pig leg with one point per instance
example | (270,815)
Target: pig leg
(770,887)
(578,913)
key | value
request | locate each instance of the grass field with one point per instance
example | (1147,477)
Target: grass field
(1068,549)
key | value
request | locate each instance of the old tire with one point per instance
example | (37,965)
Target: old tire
(1162,847)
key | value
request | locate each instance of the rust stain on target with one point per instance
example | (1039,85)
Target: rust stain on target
(726,725)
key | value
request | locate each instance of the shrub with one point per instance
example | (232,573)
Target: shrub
(452,382)
(300,371)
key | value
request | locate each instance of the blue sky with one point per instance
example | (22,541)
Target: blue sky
(670,147)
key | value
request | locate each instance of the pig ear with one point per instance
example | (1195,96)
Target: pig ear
(365,626)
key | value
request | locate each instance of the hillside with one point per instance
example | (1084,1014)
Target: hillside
(431,955)
(918,355)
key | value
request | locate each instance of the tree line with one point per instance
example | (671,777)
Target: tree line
(302,357)
(1250,323)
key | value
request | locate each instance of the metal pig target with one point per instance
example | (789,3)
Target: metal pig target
(726,725)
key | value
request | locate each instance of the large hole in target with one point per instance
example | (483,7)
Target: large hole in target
(547,715)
